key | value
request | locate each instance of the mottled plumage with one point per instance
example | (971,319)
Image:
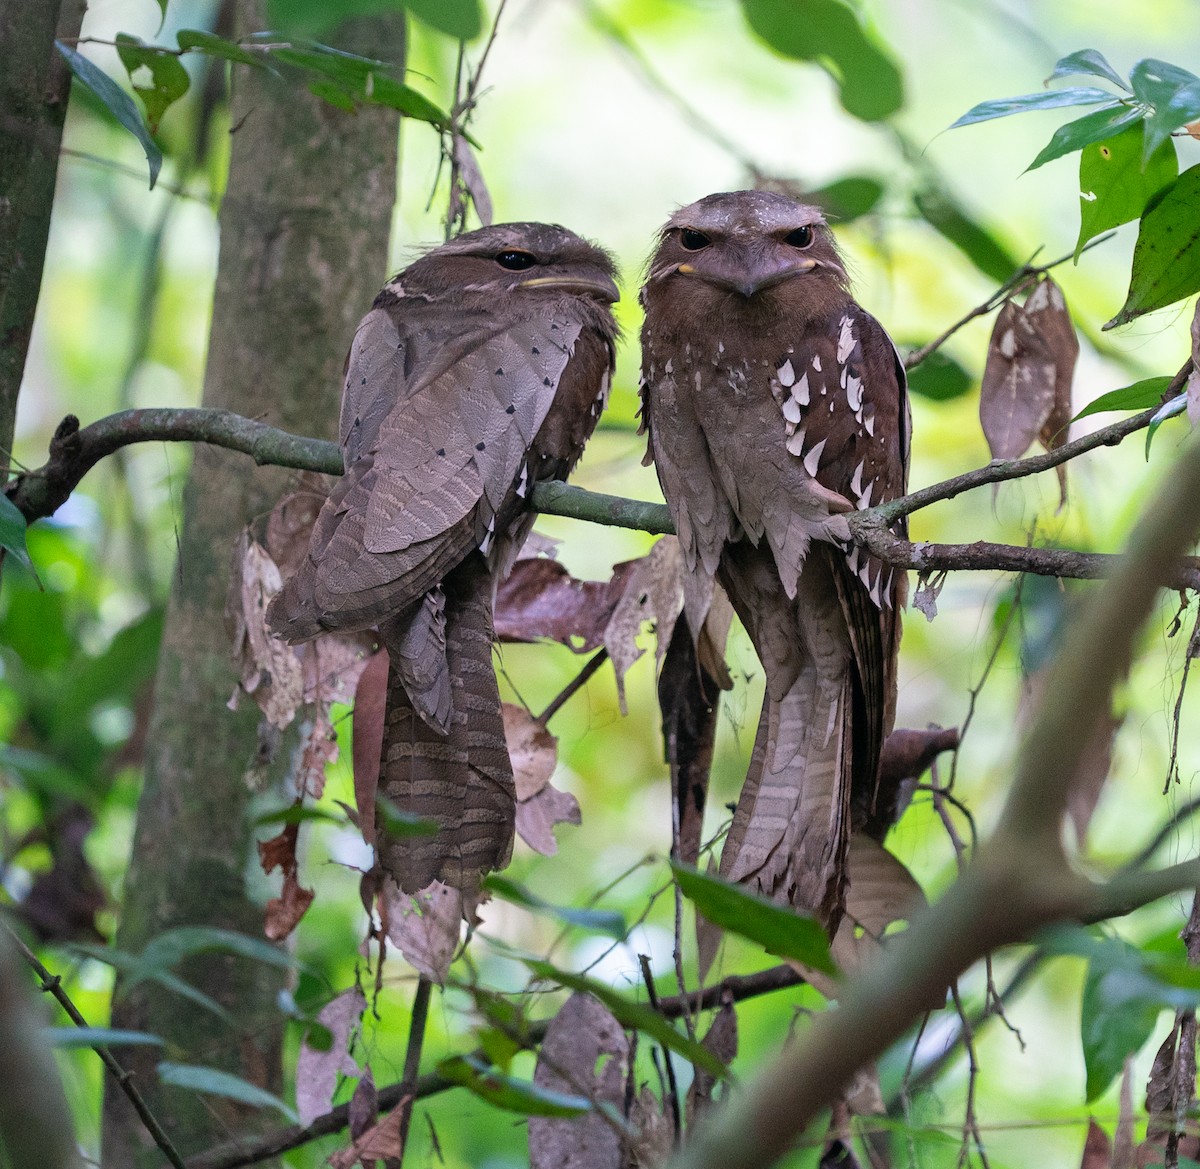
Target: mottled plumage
(774,405)
(481,369)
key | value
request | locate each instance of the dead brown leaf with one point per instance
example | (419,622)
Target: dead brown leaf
(652,1146)
(532,749)
(540,600)
(283,913)
(364,1105)
(1097,1148)
(425,927)
(537,816)
(380,1142)
(471,178)
(907,754)
(1193,380)
(370,702)
(290,524)
(1026,388)
(585,1053)
(721,1040)
(318,1068)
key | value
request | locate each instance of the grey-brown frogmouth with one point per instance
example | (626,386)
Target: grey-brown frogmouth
(480,370)
(774,405)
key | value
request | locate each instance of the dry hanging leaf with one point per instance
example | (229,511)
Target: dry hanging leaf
(708,936)
(652,1146)
(364,1105)
(537,816)
(471,178)
(317,1069)
(1026,388)
(425,927)
(540,599)
(370,703)
(907,755)
(585,1053)
(653,592)
(1193,380)
(722,1040)
(290,524)
(1097,1148)
(283,913)
(532,749)
(378,1143)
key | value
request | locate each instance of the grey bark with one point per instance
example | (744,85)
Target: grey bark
(34,83)
(304,231)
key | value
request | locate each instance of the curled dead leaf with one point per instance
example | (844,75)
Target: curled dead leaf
(425,927)
(532,749)
(537,816)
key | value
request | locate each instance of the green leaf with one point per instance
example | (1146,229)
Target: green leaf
(1114,187)
(172,946)
(1090,61)
(40,773)
(461,19)
(945,216)
(13,531)
(137,971)
(1139,396)
(513,1095)
(169,80)
(602,920)
(632,1016)
(1176,405)
(218,1083)
(778,930)
(939,377)
(827,33)
(1097,126)
(295,814)
(1046,99)
(1119,1013)
(390,819)
(1173,95)
(117,102)
(847,199)
(193,39)
(1166,260)
(66,1038)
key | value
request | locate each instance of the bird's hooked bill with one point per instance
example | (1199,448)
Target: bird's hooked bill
(600,287)
(749,283)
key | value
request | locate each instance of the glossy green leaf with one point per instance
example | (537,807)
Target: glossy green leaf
(1046,99)
(461,19)
(1166,259)
(1097,126)
(215,46)
(117,102)
(827,33)
(601,920)
(1119,1013)
(507,1092)
(847,199)
(945,216)
(939,377)
(213,1082)
(1171,409)
(1173,95)
(1114,186)
(1139,396)
(633,1016)
(778,930)
(73,1037)
(168,79)
(1091,62)
(13,531)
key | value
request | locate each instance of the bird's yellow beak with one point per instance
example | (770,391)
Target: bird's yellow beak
(600,287)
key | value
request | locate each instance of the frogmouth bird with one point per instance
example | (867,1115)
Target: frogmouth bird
(480,370)
(775,404)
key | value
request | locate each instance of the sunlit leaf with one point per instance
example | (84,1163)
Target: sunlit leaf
(777,929)
(1176,406)
(938,208)
(1091,62)
(461,19)
(71,1037)
(215,46)
(1166,260)
(631,1015)
(1097,126)
(296,814)
(1139,396)
(602,920)
(939,377)
(218,1083)
(507,1092)
(827,32)
(13,530)
(117,102)
(1114,187)
(1046,99)
(168,79)
(1172,92)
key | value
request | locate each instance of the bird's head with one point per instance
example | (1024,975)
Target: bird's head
(535,260)
(747,251)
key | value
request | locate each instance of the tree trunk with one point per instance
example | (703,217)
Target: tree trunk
(34,83)
(304,232)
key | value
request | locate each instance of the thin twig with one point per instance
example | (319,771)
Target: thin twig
(1192,652)
(52,984)
(970,1120)
(577,683)
(412,1058)
(673,1095)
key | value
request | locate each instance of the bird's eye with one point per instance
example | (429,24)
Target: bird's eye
(800,238)
(693,240)
(515,261)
